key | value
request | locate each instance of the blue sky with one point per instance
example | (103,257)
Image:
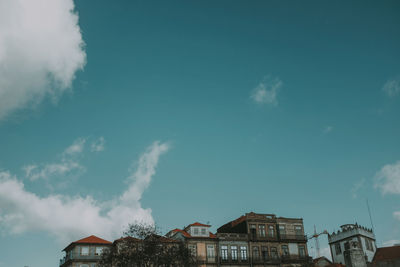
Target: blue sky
(183,111)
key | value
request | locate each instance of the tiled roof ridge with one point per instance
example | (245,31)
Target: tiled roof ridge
(93,239)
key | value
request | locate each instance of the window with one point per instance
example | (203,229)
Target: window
(84,250)
(274,253)
(253,230)
(282,231)
(264,253)
(298,230)
(271,231)
(243,253)
(203,231)
(338,249)
(302,251)
(196,231)
(256,253)
(368,244)
(98,251)
(234,253)
(210,251)
(285,250)
(83,265)
(224,252)
(261,230)
(193,250)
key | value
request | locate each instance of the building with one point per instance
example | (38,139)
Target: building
(321,262)
(271,240)
(85,252)
(387,256)
(201,242)
(360,238)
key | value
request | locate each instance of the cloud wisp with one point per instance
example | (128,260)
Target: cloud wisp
(267,91)
(22,211)
(327,129)
(40,41)
(98,145)
(387,180)
(392,87)
(68,164)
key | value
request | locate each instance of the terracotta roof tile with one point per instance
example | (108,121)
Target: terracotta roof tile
(184,233)
(199,224)
(387,253)
(89,240)
(93,240)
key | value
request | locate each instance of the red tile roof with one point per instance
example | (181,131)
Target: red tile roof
(199,224)
(89,240)
(184,233)
(387,254)
(93,240)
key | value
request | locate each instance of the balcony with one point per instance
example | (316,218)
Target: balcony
(78,256)
(267,237)
(230,261)
(292,237)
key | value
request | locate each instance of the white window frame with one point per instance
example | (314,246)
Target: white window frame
(84,248)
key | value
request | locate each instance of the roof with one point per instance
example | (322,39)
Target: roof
(199,224)
(321,258)
(187,235)
(387,254)
(335,265)
(90,240)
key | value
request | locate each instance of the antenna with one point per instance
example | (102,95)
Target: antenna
(316,235)
(370,217)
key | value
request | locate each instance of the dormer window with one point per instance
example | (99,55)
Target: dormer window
(203,231)
(196,231)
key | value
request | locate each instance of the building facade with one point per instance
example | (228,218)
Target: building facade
(85,252)
(271,241)
(201,242)
(349,236)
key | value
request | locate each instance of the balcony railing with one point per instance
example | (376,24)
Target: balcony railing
(284,236)
(230,261)
(288,258)
(78,256)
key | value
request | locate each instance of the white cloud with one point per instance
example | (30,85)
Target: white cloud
(396,214)
(266,91)
(390,243)
(98,145)
(328,129)
(69,218)
(76,148)
(392,87)
(68,163)
(41,48)
(356,187)
(388,179)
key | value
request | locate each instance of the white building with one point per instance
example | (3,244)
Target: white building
(340,241)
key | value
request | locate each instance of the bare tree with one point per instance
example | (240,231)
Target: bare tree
(143,246)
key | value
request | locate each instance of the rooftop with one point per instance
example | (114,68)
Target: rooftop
(387,253)
(89,240)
